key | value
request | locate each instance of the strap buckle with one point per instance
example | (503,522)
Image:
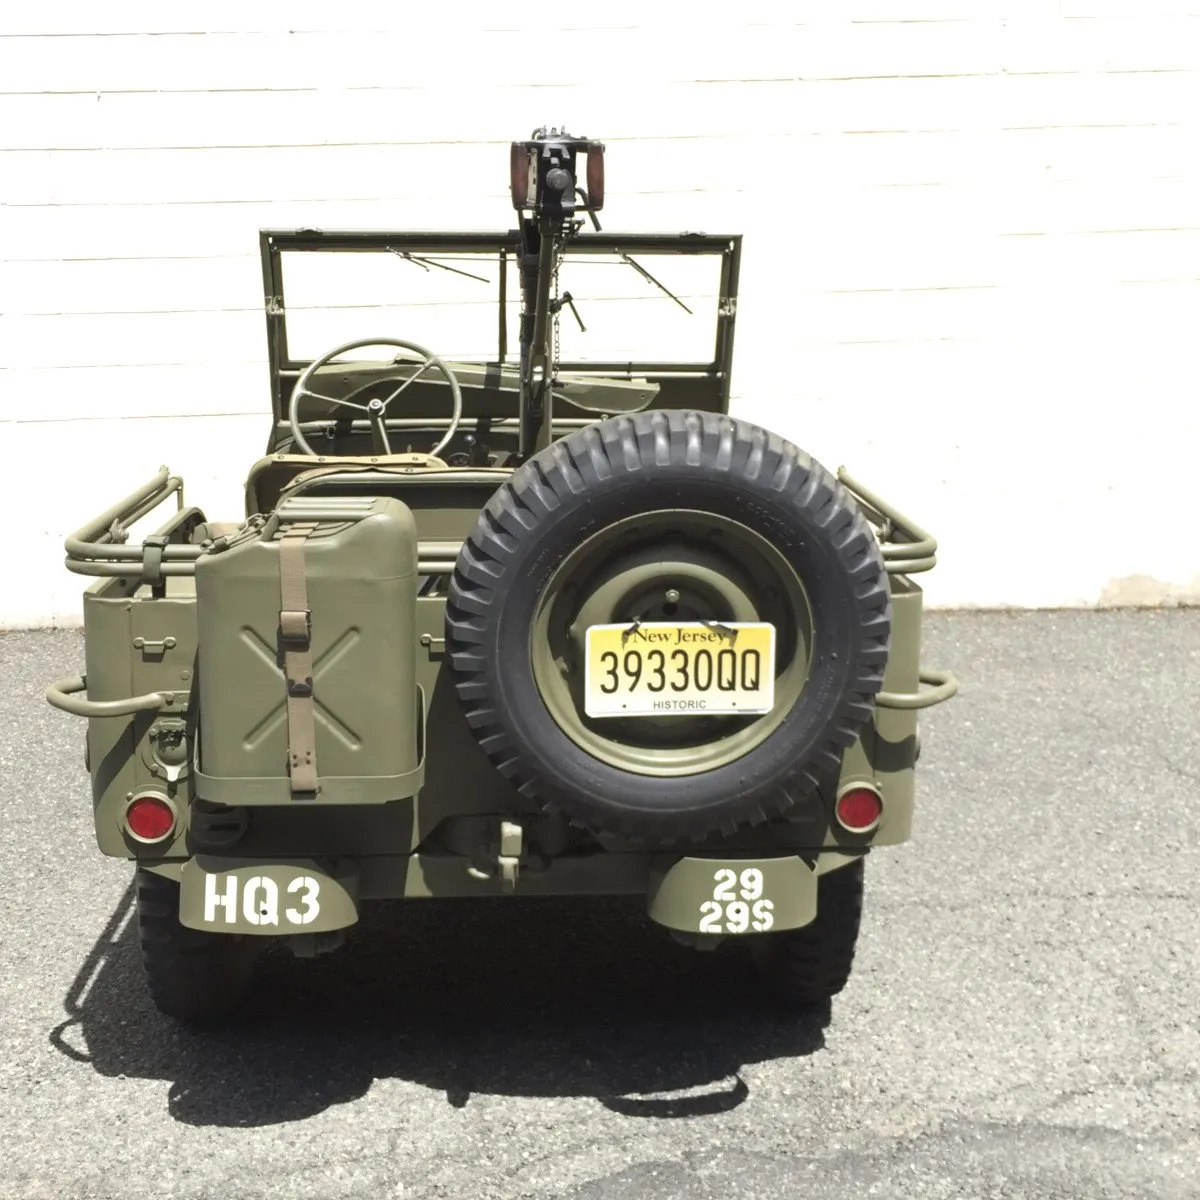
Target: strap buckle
(300,688)
(295,628)
(152,557)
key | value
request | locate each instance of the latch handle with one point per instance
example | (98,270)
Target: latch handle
(154,647)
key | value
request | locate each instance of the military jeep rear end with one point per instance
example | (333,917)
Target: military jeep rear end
(514,622)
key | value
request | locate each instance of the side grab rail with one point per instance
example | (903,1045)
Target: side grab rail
(937,686)
(906,547)
(64,694)
(100,548)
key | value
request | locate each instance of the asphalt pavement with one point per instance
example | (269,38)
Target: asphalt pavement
(1023,1020)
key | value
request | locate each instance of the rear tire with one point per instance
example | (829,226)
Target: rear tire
(191,975)
(806,967)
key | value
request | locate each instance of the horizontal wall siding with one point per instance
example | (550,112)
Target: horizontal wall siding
(972,241)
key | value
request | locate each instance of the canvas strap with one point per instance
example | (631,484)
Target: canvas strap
(295,636)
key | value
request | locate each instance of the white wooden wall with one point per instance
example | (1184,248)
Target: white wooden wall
(972,259)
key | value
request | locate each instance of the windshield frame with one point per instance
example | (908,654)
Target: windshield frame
(710,380)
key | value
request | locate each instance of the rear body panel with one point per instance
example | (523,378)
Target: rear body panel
(461,798)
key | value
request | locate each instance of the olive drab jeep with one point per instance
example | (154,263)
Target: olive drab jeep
(533,616)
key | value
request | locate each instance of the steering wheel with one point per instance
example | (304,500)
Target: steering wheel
(375,410)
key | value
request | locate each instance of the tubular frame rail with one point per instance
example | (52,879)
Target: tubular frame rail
(936,687)
(99,547)
(64,694)
(907,548)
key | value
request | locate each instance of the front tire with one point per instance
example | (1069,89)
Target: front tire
(192,976)
(807,967)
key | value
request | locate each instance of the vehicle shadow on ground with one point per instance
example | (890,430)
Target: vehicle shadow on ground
(562,997)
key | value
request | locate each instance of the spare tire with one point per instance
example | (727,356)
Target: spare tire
(661,515)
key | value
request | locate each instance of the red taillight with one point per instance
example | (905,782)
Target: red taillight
(859,809)
(150,818)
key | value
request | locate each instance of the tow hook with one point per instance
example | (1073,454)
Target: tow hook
(507,859)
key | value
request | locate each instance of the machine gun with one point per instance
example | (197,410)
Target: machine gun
(547,194)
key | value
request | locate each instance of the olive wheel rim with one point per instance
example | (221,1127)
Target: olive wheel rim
(719,740)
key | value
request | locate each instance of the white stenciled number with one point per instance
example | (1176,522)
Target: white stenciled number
(737,904)
(310,888)
(763,915)
(752,883)
(737,916)
(710,917)
(726,879)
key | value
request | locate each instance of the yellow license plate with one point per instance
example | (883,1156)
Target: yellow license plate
(668,668)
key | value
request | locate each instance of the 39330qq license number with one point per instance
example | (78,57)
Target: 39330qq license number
(663,668)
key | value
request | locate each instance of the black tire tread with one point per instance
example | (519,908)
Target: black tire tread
(191,975)
(808,966)
(589,459)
